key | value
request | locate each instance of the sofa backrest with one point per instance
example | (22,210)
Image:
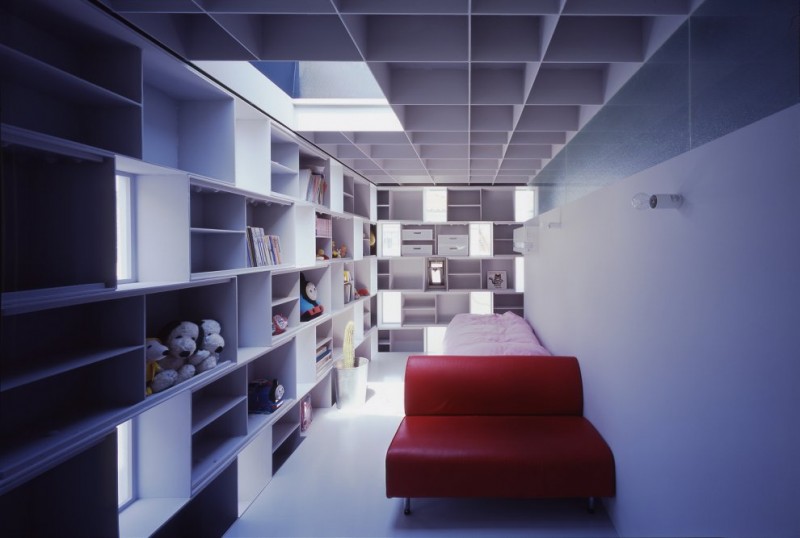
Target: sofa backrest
(493,385)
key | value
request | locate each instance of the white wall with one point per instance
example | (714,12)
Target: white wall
(686,326)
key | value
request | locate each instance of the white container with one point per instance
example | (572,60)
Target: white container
(351,384)
(453,245)
(416,235)
(416,250)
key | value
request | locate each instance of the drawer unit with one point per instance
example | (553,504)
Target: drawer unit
(453,245)
(417,235)
(416,250)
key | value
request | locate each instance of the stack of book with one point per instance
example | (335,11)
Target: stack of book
(317,186)
(262,249)
(324,357)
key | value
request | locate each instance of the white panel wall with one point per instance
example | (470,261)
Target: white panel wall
(685,325)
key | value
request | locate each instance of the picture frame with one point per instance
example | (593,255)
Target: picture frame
(496,280)
(348,292)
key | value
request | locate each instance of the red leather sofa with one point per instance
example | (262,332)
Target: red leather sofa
(496,426)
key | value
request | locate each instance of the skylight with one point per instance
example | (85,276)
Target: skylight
(332,96)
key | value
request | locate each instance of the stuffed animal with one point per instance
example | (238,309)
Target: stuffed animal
(210,344)
(155,351)
(309,308)
(210,337)
(180,337)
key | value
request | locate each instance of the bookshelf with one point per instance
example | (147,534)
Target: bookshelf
(205,168)
(474,244)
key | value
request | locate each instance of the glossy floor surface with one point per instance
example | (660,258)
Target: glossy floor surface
(333,485)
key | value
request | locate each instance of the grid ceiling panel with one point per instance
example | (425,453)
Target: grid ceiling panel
(487,91)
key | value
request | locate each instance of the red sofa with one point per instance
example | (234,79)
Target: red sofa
(496,426)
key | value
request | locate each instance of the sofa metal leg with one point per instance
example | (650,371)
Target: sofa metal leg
(407,506)
(591,504)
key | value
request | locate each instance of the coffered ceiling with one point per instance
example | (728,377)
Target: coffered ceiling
(486,91)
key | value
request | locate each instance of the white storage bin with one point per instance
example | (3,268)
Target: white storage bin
(453,245)
(417,250)
(417,235)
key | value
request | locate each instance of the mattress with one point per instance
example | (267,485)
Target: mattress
(491,334)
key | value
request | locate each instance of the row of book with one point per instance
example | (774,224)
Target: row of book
(317,187)
(324,357)
(263,249)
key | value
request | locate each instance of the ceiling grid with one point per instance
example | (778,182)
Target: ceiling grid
(487,91)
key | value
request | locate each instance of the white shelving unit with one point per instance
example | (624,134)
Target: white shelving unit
(476,244)
(85,98)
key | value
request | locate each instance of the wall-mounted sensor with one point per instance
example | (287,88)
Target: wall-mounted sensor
(656,201)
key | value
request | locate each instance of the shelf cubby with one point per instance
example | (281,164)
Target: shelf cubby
(205,299)
(286,299)
(95,464)
(284,164)
(188,124)
(252,149)
(363,200)
(254,299)
(279,363)
(450,304)
(498,205)
(407,273)
(163,439)
(56,81)
(503,239)
(210,511)
(464,274)
(412,340)
(219,424)
(509,302)
(49,405)
(499,264)
(254,468)
(45,196)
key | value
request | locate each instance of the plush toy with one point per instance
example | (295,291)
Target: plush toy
(155,351)
(309,308)
(210,336)
(264,395)
(209,345)
(343,251)
(180,337)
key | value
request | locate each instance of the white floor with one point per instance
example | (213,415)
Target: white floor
(333,485)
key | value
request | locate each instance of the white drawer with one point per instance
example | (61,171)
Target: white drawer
(453,245)
(417,235)
(453,250)
(416,250)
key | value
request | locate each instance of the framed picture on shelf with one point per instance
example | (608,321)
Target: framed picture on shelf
(348,292)
(496,280)
(305,414)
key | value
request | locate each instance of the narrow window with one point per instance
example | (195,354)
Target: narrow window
(124,464)
(125,212)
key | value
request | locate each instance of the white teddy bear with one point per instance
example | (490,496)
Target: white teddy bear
(181,341)
(210,344)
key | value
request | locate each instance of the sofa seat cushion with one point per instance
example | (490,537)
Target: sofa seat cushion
(498,456)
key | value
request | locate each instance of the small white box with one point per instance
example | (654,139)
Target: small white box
(416,250)
(417,235)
